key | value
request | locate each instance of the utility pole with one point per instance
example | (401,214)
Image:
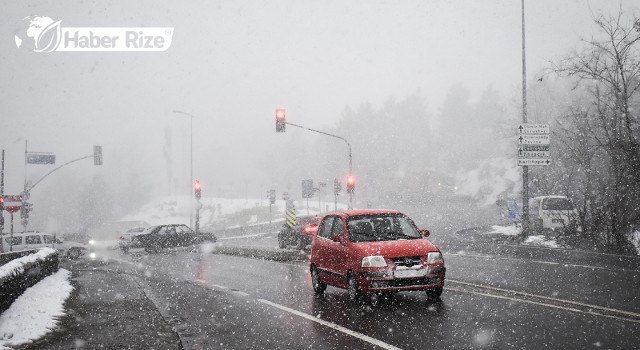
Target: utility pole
(190,160)
(525,169)
(2,204)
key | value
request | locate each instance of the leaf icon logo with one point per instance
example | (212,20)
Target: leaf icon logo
(49,38)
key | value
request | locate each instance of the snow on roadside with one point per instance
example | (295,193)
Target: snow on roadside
(540,240)
(635,240)
(510,230)
(34,313)
(16,266)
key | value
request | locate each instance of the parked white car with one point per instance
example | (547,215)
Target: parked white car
(34,239)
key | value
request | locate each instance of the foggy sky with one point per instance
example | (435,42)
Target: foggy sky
(232,63)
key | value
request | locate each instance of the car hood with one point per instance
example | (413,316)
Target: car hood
(71,245)
(396,249)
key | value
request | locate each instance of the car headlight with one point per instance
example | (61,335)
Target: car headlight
(435,258)
(92,242)
(373,261)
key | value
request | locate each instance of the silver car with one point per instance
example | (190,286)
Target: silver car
(127,240)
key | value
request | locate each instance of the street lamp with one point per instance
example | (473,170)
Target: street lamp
(190,161)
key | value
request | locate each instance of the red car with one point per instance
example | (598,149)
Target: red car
(374,251)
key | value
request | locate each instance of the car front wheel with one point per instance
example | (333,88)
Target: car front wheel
(318,286)
(353,288)
(433,294)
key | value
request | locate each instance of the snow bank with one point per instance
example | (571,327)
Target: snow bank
(510,230)
(34,313)
(16,266)
(540,240)
(635,239)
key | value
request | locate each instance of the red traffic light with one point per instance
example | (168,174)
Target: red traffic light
(198,189)
(351,184)
(281,119)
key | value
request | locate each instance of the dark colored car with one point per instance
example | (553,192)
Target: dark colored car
(155,238)
(374,251)
(300,234)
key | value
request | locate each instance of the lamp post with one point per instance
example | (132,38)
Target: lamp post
(190,161)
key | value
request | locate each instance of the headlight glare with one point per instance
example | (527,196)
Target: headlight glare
(435,258)
(374,261)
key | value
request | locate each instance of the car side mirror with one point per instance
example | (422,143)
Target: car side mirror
(425,233)
(338,238)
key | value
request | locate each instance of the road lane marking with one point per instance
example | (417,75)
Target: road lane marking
(563,249)
(562,301)
(491,257)
(241,293)
(544,304)
(339,328)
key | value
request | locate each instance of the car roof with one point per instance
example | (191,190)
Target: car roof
(358,212)
(26,233)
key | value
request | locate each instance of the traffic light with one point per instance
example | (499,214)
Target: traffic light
(198,189)
(272,196)
(97,155)
(25,209)
(281,119)
(337,186)
(351,184)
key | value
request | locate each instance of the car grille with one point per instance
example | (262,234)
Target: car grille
(408,261)
(406,282)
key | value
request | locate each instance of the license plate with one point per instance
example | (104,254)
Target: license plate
(409,273)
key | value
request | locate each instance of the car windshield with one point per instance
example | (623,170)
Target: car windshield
(557,204)
(368,228)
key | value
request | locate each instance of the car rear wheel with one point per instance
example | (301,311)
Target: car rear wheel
(433,294)
(73,253)
(282,243)
(353,288)
(318,286)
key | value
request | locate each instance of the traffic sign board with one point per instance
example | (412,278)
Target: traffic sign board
(533,154)
(533,161)
(41,158)
(534,148)
(12,204)
(541,139)
(533,129)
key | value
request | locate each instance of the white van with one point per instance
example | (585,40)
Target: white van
(551,212)
(34,239)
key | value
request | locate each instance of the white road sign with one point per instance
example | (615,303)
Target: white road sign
(533,154)
(533,161)
(542,139)
(533,129)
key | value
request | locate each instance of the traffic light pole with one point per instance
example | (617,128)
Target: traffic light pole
(338,137)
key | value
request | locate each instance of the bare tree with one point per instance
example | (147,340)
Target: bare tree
(608,68)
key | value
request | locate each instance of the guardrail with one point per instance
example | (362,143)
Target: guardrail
(22,271)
